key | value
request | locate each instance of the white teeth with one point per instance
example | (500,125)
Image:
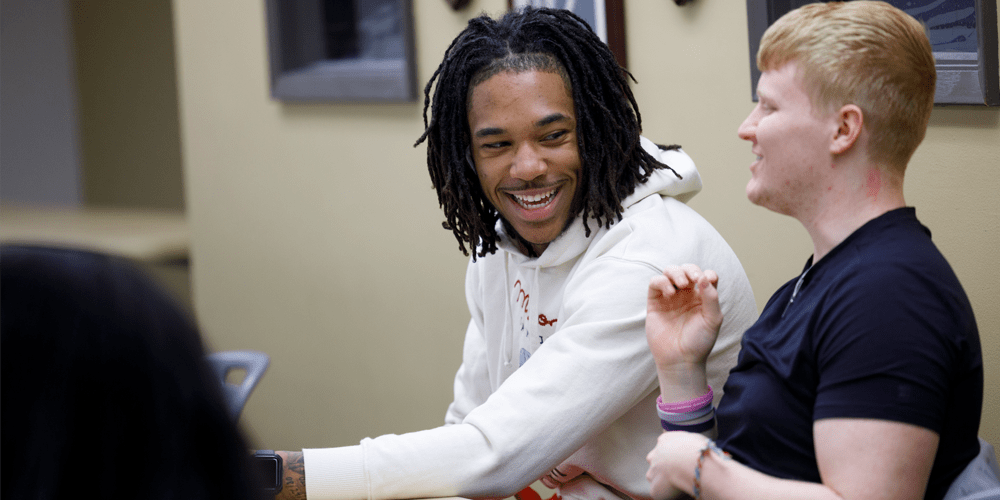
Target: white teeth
(534,201)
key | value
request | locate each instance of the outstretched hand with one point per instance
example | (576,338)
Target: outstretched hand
(682,315)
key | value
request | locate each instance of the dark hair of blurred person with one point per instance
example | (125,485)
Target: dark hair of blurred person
(105,389)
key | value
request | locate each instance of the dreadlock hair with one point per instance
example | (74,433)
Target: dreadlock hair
(607,116)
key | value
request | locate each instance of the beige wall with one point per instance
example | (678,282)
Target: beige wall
(317,237)
(129,134)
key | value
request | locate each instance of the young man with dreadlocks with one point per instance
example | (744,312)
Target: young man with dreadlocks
(535,152)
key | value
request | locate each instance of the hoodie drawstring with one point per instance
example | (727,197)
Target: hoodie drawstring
(506,339)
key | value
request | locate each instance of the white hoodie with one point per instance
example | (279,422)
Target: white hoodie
(556,370)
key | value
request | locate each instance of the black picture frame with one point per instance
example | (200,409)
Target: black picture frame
(341,50)
(606,17)
(967,76)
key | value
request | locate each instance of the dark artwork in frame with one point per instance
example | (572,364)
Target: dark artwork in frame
(963,36)
(605,17)
(341,50)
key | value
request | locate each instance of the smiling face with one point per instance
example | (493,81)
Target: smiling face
(524,146)
(792,144)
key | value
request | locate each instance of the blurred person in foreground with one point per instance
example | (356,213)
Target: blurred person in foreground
(105,389)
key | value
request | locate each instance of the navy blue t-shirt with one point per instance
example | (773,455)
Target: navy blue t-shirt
(879,328)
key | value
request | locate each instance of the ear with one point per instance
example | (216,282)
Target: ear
(849,121)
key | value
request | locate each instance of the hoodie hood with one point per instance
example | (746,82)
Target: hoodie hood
(664,181)
(572,242)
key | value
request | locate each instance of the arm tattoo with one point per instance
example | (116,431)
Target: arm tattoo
(294,476)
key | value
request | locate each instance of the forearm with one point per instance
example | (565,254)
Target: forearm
(857,458)
(678,455)
(723,479)
(293,481)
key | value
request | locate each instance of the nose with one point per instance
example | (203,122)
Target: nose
(748,129)
(528,164)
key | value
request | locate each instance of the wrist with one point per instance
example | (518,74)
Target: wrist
(267,469)
(293,476)
(708,456)
(682,474)
(682,381)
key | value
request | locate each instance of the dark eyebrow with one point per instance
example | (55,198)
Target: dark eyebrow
(488,131)
(554,117)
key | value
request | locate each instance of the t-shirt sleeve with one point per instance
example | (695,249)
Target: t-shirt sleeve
(885,347)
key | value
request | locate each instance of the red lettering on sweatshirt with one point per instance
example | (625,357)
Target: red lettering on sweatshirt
(522,298)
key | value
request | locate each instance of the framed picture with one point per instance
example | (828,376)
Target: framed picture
(606,17)
(341,50)
(963,36)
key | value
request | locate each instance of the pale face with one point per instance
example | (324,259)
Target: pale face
(791,143)
(525,150)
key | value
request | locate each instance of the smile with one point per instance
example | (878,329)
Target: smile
(535,201)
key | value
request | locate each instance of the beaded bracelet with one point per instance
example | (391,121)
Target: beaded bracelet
(710,447)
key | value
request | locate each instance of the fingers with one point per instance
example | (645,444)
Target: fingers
(710,294)
(679,278)
(712,277)
(683,276)
(660,286)
(664,460)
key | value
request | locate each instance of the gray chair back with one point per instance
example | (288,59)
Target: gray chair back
(981,478)
(253,362)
